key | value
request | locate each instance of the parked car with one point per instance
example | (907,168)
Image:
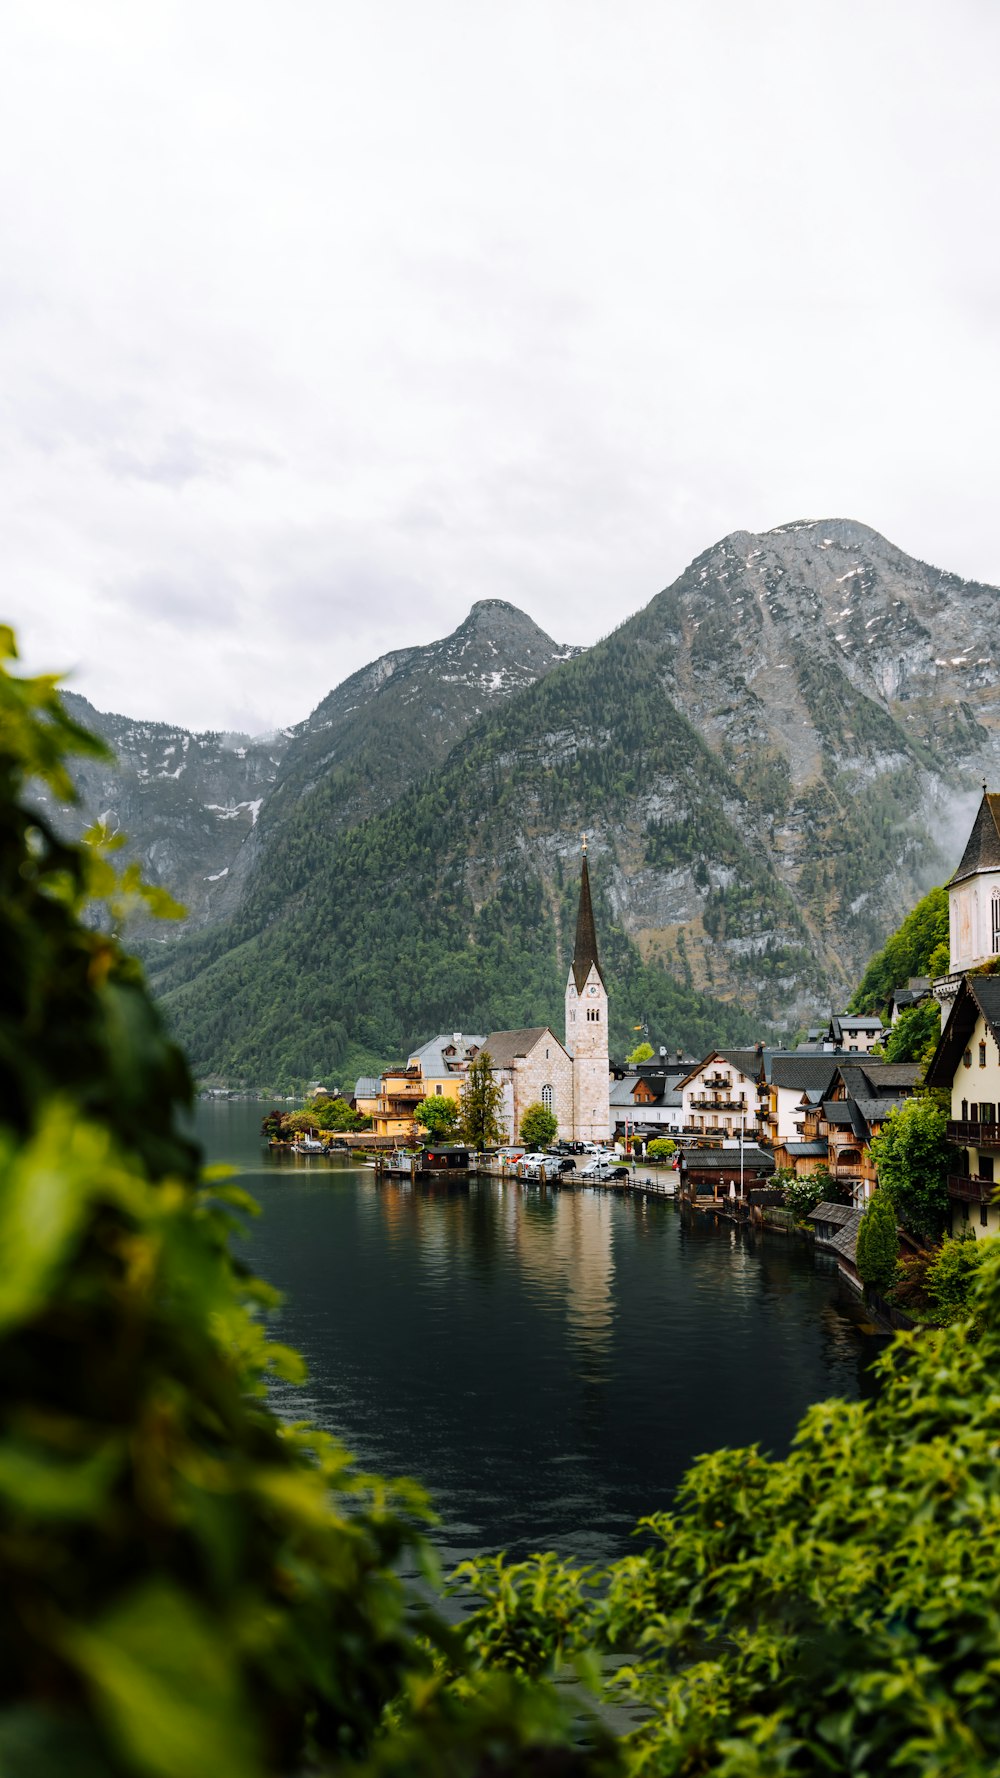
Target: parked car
(597,1169)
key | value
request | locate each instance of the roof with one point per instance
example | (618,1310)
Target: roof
(433,1060)
(747,1062)
(819,1147)
(891,1074)
(848,1219)
(827,1212)
(585,949)
(367,1086)
(505,1047)
(858,1021)
(803,1073)
(983,849)
(837,1111)
(727,1160)
(976,994)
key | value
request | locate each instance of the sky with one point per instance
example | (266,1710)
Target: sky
(321,320)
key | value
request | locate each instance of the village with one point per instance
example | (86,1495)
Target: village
(734,1128)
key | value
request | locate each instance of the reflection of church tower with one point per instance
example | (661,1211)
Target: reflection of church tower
(587,1025)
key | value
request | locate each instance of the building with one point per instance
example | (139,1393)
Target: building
(436,1069)
(838,1125)
(647,1101)
(724,1094)
(852,1031)
(974,892)
(967,1061)
(587,1024)
(532,1067)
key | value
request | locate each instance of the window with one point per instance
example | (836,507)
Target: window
(547,1096)
(982,1055)
(986,1166)
(439,1089)
(995,921)
(984,1216)
(967,1058)
(965,1111)
(987,1115)
(965,1211)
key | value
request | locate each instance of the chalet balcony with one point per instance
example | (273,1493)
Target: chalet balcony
(718,1080)
(974,1191)
(706,1102)
(973,1135)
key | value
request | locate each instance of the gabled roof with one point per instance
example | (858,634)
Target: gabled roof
(585,949)
(367,1086)
(505,1047)
(803,1073)
(819,1147)
(983,850)
(976,994)
(433,1059)
(727,1160)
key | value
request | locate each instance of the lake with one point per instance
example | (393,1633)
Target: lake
(546,1362)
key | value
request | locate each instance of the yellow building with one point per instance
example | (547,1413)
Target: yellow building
(436,1070)
(967,1063)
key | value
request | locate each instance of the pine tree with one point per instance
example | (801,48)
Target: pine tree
(878,1244)
(482,1098)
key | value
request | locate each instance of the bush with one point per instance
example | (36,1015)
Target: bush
(661,1148)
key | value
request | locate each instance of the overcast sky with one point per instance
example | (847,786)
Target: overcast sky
(321,319)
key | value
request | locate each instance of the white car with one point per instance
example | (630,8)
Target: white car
(530,1164)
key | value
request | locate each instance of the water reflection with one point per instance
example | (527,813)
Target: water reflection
(548,1362)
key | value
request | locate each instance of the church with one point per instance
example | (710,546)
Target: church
(570,1078)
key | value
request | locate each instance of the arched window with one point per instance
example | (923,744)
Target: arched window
(995,922)
(547,1098)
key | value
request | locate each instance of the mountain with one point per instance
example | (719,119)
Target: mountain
(199,809)
(773,761)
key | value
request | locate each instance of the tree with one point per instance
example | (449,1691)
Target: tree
(661,1148)
(481,1105)
(878,1244)
(803,1191)
(916,948)
(914,1036)
(913,1159)
(643,1052)
(538,1126)
(438,1116)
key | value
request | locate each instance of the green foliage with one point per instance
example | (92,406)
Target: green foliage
(913,1158)
(661,1148)
(480,1122)
(337,1114)
(803,1191)
(878,1243)
(938,1285)
(914,949)
(829,1612)
(188,1584)
(914,1036)
(643,1052)
(538,1126)
(439,1116)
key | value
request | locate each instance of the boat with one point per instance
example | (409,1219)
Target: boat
(308,1145)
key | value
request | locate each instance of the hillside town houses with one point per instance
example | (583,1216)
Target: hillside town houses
(816,1107)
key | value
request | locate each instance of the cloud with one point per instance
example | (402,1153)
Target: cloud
(317,327)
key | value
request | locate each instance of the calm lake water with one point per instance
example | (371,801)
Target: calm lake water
(547,1363)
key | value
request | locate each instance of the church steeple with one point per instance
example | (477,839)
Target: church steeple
(585,950)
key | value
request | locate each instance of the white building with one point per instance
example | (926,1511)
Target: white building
(974,892)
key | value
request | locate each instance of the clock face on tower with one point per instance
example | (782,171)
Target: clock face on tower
(593,988)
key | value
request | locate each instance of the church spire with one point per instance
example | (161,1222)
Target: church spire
(585,950)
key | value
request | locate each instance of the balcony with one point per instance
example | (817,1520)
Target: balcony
(974,1191)
(718,1080)
(706,1102)
(975,1135)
